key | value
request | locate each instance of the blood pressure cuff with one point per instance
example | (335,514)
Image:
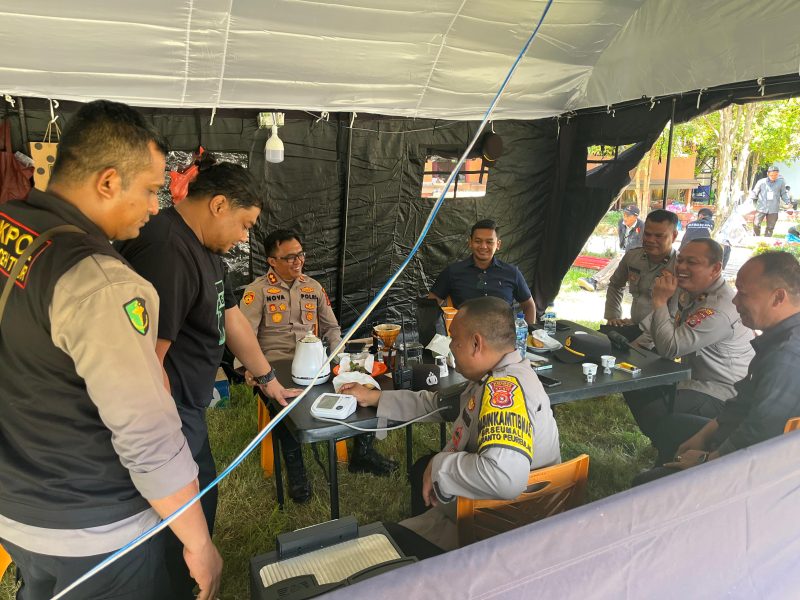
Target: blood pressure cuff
(503,420)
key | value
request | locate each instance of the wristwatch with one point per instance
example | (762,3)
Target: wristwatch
(265,379)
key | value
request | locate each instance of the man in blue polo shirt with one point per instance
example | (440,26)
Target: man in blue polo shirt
(483,275)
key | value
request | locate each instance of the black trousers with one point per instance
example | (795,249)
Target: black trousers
(771,219)
(182,582)
(651,407)
(673,431)
(137,575)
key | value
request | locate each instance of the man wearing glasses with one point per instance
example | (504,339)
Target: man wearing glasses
(282,306)
(484,275)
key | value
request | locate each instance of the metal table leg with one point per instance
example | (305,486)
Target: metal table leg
(442,434)
(276,458)
(333,480)
(409,449)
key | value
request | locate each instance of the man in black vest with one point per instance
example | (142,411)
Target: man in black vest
(91,449)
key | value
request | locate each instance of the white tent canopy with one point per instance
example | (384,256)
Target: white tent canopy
(417,58)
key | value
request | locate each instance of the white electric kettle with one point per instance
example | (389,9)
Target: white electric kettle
(309,355)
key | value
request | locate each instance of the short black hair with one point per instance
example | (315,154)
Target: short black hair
(277,237)
(713,249)
(782,270)
(483,224)
(663,216)
(233,181)
(105,134)
(491,317)
(705,212)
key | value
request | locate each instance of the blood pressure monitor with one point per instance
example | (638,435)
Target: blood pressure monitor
(333,406)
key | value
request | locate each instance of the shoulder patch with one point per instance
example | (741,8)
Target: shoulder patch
(272,278)
(248,298)
(136,311)
(503,420)
(327,300)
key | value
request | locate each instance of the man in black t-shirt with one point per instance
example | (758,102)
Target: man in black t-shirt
(179,251)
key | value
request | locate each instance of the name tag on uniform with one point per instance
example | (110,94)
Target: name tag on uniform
(770,194)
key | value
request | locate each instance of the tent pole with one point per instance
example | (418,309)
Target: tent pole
(343,226)
(669,154)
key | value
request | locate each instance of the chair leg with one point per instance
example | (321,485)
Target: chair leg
(267,454)
(341,451)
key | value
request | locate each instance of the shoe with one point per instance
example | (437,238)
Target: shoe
(299,488)
(366,459)
(587,284)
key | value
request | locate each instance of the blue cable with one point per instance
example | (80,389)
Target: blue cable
(285,410)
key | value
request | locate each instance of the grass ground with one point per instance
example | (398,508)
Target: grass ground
(248,518)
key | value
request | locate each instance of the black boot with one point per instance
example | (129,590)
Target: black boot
(366,460)
(299,488)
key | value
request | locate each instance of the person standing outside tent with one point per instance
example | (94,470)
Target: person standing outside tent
(629,229)
(767,193)
(701,228)
(91,449)
(484,275)
(281,307)
(179,252)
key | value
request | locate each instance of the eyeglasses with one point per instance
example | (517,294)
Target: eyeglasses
(290,258)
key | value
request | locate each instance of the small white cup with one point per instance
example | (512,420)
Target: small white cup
(589,371)
(608,362)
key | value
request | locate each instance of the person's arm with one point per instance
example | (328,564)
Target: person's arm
(441,287)
(114,353)
(199,552)
(529,309)
(753,195)
(616,287)
(162,347)
(704,327)
(701,439)
(775,387)
(328,325)
(242,342)
(395,405)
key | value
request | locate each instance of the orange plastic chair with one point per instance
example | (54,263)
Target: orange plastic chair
(550,491)
(792,424)
(5,560)
(268,456)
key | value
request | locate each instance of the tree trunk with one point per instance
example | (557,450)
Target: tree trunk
(748,111)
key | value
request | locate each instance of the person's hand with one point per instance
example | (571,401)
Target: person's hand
(364,396)
(277,392)
(428,495)
(688,459)
(696,442)
(248,378)
(664,288)
(205,567)
(619,322)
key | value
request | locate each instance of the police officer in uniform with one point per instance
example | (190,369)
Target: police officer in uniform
(91,449)
(701,228)
(505,429)
(706,332)
(282,306)
(629,230)
(638,270)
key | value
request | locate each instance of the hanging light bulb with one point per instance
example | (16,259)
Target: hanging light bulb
(273,149)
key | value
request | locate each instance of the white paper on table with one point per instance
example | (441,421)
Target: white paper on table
(439,345)
(353,377)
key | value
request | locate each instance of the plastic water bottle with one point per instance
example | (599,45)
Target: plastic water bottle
(521,325)
(550,320)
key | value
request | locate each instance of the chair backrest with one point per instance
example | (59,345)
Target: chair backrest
(792,424)
(5,560)
(550,491)
(430,320)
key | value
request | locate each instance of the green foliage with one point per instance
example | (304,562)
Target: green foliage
(793,249)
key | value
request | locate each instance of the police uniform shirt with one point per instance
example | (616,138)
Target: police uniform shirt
(708,333)
(505,429)
(637,272)
(105,317)
(768,195)
(282,313)
(464,280)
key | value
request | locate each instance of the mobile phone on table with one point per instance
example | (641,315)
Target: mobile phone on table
(548,381)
